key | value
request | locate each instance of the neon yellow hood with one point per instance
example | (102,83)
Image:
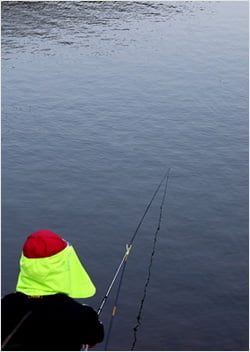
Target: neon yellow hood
(60,273)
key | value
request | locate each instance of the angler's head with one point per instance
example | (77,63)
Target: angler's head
(50,265)
(42,244)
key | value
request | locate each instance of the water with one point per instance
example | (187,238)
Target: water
(98,100)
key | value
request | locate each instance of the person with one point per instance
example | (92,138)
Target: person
(43,314)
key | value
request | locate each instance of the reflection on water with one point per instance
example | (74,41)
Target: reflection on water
(39,26)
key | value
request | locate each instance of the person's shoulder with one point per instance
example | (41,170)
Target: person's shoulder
(14,302)
(75,305)
(14,297)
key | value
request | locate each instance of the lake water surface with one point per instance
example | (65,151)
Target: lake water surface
(98,100)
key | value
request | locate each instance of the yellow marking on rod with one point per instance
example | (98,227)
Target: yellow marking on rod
(114,311)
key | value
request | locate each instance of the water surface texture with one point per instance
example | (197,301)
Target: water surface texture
(98,100)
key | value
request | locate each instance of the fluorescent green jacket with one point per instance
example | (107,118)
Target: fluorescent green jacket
(60,273)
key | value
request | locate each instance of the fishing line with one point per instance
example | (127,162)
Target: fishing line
(128,249)
(129,246)
(135,329)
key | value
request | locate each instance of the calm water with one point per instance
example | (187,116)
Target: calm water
(98,100)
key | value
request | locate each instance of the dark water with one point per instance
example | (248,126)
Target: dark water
(98,100)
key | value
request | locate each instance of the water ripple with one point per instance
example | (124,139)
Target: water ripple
(43,26)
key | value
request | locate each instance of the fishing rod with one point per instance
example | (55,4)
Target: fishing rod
(129,246)
(123,262)
(148,276)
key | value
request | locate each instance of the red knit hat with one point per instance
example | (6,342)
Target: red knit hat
(42,244)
